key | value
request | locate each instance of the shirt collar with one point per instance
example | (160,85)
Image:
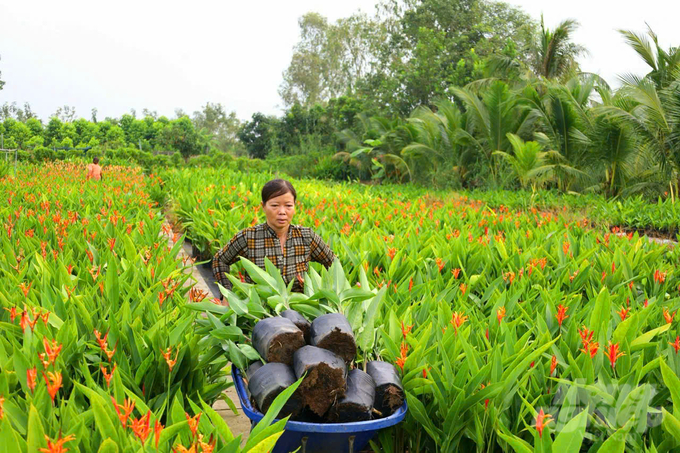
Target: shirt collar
(271,231)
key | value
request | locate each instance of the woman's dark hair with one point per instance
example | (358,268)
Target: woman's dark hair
(275,188)
(95,160)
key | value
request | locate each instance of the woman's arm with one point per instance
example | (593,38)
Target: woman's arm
(320,251)
(227,256)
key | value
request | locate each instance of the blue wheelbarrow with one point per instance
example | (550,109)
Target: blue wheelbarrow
(319,437)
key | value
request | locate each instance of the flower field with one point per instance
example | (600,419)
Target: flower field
(98,351)
(514,329)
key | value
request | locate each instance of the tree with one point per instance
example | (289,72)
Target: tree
(256,135)
(431,45)
(490,118)
(555,56)
(222,128)
(183,137)
(529,163)
(329,60)
(664,64)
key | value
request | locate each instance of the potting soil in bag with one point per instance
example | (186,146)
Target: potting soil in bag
(267,382)
(277,339)
(333,332)
(299,321)
(253,368)
(326,378)
(389,393)
(357,403)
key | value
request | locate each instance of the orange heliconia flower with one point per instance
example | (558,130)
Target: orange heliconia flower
(182,449)
(405,330)
(52,349)
(561,314)
(24,288)
(667,316)
(57,446)
(106,374)
(500,314)
(623,313)
(440,264)
(112,243)
(207,447)
(586,335)
(462,288)
(590,348)
(401,361)
(676,345)
(109,354)
(45,317)
(455,272)
(167,354)
(2,413)
(542,421)
(127,407)
(141,427)
(613,353)
(12,313)
(410,284)
(659,276)
(102,341)
(31,377)
(197,295)
(457,320)
(553,365)
(54,383)
(391,252)
(193,422)
(157,428)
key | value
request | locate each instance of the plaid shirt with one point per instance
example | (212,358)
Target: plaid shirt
(260,241)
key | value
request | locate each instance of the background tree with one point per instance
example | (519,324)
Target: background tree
(555,55)
(221,127)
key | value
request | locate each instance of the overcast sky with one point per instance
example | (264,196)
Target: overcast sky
(115,56)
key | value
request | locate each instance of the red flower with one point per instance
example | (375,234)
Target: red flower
(623,313)
(667,316)
(193,422)
(141,427)
(157,428)
(24,288)
(128,406)
(455,272)
(58,445)
(590,348)
(561,314)
(542,421)
(457,320)
(586,335)
(52,349)
(676,345)
(106,374)
(553,365)
(410,284)
(405,330)
(54,384)
(613,353)
(500,314)
(31,376)
(167,354)
(12,313)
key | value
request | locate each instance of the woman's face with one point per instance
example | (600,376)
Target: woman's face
(280,210)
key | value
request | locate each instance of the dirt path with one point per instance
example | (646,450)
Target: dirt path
(238,423)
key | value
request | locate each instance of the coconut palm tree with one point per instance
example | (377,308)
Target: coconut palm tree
(437,144)
(528,161)
(663,64)
(554,54)
(490,118)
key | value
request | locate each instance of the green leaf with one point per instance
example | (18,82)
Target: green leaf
(570,438)
(8,437)
(108,446)
(36,432)
(673,384)
(671,424)
(617,442)
(104,424)
(267,444)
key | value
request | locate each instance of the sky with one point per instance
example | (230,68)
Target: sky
(164,55)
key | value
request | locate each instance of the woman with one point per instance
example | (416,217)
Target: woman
(289,247)
(94,170)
